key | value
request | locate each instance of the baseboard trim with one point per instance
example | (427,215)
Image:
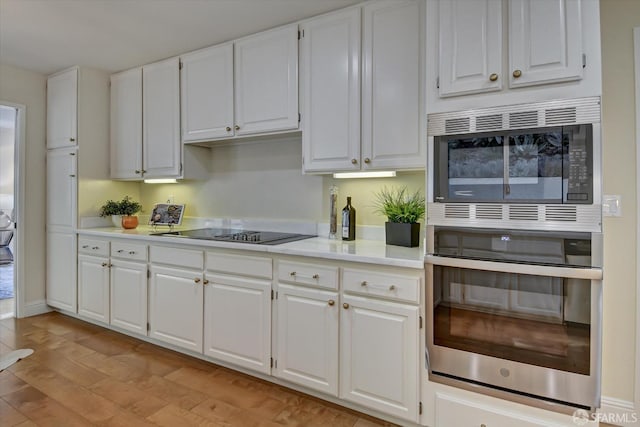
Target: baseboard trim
(618,412)
(34,308)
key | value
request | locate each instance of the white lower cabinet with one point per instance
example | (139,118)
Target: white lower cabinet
(237,309)
(454,411)
(129,296)
(93,287)
(379,355)
(307,337)
(237,321)
(61,288)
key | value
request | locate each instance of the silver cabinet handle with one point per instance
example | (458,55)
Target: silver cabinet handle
(120,251)
(85,246)
(132,252)
(382,287)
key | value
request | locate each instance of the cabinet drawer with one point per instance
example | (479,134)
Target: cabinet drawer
(308,274)
(392,286)
(243,265)
(132,251)
(451,411)
(93,246)
(186,258)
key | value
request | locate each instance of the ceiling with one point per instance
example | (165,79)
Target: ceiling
(113,35)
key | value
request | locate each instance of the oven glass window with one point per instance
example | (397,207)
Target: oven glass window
(538,320)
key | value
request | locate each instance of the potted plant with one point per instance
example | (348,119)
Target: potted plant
(122,213)
(403,211)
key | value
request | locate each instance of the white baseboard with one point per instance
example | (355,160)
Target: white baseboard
(34,308)
(618,412)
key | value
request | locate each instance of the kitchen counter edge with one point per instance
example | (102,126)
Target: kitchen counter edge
(364,251)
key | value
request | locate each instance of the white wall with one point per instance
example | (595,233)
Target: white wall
(29,88)
(618,17)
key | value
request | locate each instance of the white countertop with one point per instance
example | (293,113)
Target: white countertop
(367,251)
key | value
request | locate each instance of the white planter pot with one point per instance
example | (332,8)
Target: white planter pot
(117,220)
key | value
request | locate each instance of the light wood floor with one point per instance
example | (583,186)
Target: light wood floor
(81,374)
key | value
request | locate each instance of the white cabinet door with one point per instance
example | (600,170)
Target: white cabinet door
(266,77)
(129,296)
(61,289)
(126,124)
(93,287)
(307,337)
(392,85)
(330,92)
(175,307)
(62,109)
(207,93)
(61,189)
(161,148)
(545,41)
(470,36)
(237,321)
(379,356)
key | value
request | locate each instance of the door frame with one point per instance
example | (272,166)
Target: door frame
(636,49)
(19,170)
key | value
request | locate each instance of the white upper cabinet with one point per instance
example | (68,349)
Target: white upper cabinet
(266,78)
(161,147)
(241,88)
(392,101)
(207,94)
(330,91)
(470,46)
(126,124)
(62,109)
(545,41)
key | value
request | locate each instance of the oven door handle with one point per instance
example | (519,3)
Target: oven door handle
(509,267)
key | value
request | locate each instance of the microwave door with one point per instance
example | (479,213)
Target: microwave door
(534,165)
(473,168)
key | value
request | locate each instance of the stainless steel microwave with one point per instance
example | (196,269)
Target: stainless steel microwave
(535,166)
(539,165)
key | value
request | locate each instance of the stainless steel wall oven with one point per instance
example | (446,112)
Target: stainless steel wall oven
(514,251)
(516,310)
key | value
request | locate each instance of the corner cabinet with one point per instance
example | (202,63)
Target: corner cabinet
(245,87)
(471,40)
(388,64)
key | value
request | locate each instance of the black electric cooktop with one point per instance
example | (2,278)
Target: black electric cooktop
(237,235)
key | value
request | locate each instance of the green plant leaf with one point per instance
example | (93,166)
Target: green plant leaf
(399,205)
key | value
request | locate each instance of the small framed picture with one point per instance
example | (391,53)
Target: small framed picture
(166,214)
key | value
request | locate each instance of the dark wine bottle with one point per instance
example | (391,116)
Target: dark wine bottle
(348,221)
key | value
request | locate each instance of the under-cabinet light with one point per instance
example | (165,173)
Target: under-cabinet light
(368,174)
(161,181)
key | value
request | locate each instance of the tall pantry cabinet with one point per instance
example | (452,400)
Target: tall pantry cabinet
(77,135)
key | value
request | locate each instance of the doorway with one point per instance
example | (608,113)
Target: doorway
(8,238)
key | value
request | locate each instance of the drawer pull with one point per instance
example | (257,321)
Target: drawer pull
(95,248)
(205,282)
(104,264)
(331,302)
(345,305)
(314,277)
(120,251)
(197,280)
(483,425)
(85,246)
(382,287)
(132,252)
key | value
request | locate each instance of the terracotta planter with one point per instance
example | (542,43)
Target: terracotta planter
(402,234)
(129,222)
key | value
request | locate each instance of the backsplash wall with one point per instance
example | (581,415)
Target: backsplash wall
(263,179)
